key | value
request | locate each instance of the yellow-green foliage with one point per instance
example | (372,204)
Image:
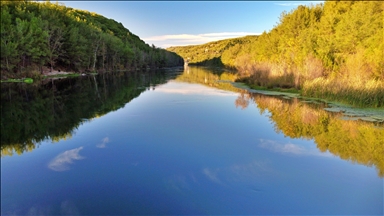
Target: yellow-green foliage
(343,39)
(334,39)
(201,53)
(341,42)
(210,53)
(18,148)
(337,38)
(355,92)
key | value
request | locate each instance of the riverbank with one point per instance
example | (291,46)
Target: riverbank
(349,112)
(56,73)
(357,92)
(354,92)
(44,75)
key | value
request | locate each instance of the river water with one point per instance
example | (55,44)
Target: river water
(179,141)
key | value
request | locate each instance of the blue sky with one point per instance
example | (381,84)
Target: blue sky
(178,23)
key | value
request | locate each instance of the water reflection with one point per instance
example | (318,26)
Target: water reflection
(53,109)
(103,143)
(62,161)
(196,153)
(290,148)
(179,88)
(356,141)
(212,77)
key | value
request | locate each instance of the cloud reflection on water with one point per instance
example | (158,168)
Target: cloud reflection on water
(290,148)
(103,143)
(193,89)
(61,162)
(212,175)
(246,172)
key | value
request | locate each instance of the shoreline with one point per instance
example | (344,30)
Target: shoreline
(55,72)
(348,111)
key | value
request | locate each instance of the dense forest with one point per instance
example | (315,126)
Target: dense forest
(333,50)
(37,36)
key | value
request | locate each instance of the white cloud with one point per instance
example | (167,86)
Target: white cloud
(193,39)
(61,162)
(288,4)
(291,4)
(103,143)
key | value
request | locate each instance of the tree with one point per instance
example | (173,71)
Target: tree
(9,41)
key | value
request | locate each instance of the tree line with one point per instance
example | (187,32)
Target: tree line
(38,35)
(332,50)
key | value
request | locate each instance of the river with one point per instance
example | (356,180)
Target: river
(182,141)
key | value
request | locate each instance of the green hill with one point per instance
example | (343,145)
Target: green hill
(35,35)
(211,54)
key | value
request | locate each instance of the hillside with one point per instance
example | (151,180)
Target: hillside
(332,51)
(38,35)
(211,54)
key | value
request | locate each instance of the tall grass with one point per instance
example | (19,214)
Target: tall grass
(356,92)
(354,83)
(266,75)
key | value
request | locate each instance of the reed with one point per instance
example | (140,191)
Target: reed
(266,75)
(355,92)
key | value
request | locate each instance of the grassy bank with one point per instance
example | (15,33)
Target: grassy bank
(288,90)
(37,76)
(26,80)
(357,93)
(354,92)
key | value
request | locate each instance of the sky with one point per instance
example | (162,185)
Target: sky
(179,23)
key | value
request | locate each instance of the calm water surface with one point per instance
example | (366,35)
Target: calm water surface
(178,142)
